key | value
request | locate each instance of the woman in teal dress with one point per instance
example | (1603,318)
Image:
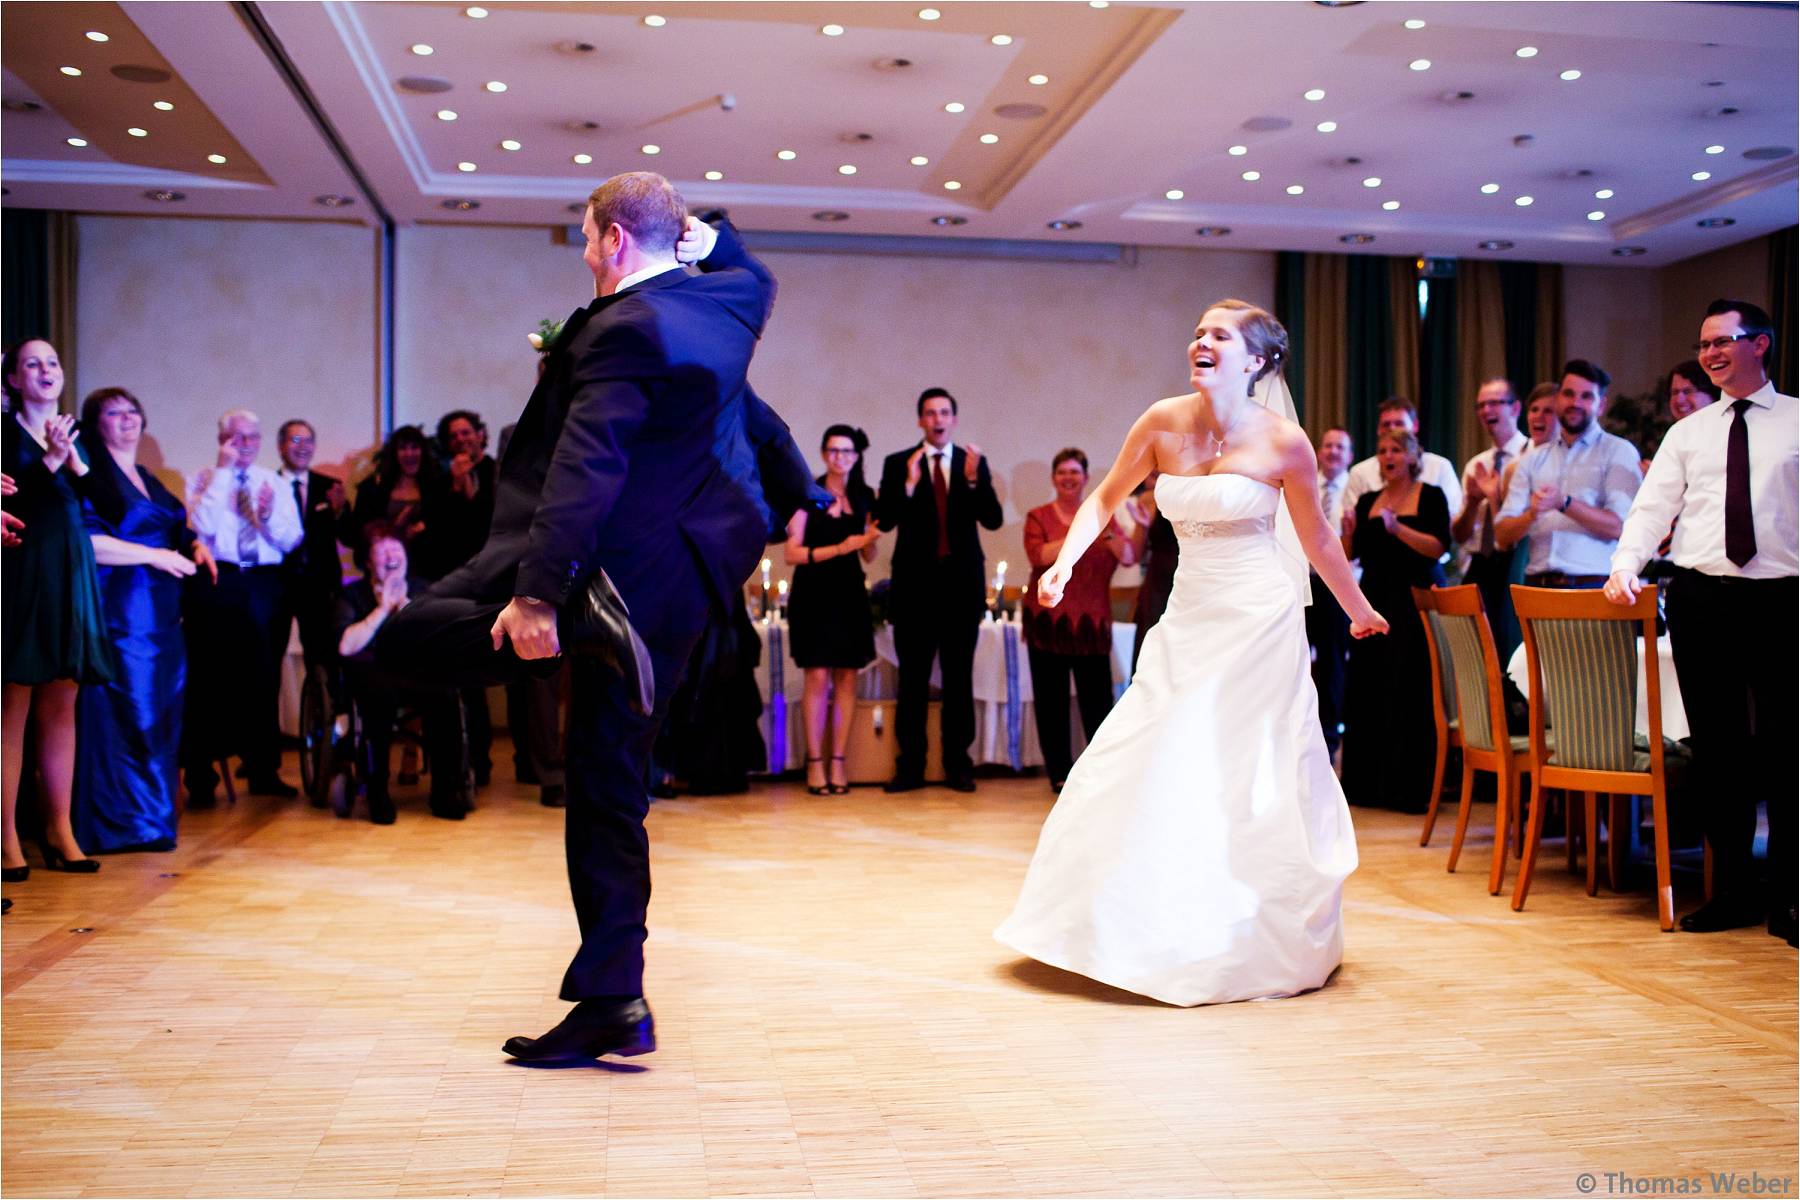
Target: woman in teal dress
(129,730)
(53,635)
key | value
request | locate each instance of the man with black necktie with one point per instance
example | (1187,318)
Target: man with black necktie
(312,574)
(1327,626)
(1731,472)
(1490,567)
(936,493)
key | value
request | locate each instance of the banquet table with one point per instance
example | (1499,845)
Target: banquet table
(1674,716)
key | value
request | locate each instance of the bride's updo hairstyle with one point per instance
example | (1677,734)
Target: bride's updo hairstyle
(1263,335)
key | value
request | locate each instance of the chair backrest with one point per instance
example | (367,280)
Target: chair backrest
(1463,626)
(1443,675)
(1582,652)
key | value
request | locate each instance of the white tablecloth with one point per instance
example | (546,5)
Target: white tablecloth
(1005,725)
(1674,716)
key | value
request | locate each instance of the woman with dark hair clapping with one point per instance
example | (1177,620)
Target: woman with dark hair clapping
(828,605)
(407,492)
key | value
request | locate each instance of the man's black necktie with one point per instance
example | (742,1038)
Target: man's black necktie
(300,507)
(1740,530)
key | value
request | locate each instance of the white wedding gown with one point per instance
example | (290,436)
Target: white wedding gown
(1198,851)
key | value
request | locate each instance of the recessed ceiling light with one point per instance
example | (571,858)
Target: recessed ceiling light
(162,106)
(1212,231)
(1522,201)
(1063,226)
(1252,176)
(1315,94)
(929,14)
(1415,23)
(1038,80)
(1391,205)
(650,148)
(1494,245)
(475,12)
(334,201)
(94,35)
(1596,215)
(1097,3)
(1700,176)
(715,176)
(460,205)
(831,215)
(1174,194)
(955,106)
(1526,52)
(1295,189)
(918,160)
(832,30)
(1373,181)
(134,131)
(1716,222)
(949,220)
(1420,64)
(655,22)
(1488,189)
(72,72)
(1715,149)
(786,155)
(495,86)
(78,143)
(1604,194)
(582,159)
(847,169)
(446,114)
(1238,151)
(1628,251)
(1571,75)
(1357,239)
(510,144)
(420,49)
(951,185)
(218,160)
(165,195)
(1001,39)
(988,139)
(1326,126)
(465,167)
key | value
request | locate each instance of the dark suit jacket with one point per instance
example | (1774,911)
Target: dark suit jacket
(919,581)
(633,453)
(313,564)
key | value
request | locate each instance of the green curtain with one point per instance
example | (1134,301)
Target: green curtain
(1368,343)
(1290,310)
(1519,303)
(1438,365)
(25,255)
(1784,245)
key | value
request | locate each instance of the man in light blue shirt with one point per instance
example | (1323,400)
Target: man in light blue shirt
(1570,497)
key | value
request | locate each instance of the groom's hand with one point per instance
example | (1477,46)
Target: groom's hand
(697,241)
(531,624)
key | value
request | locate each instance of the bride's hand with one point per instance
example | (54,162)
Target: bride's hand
(1051,585)
(1368,626)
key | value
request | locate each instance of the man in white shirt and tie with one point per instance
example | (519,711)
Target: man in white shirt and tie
(1490,567)
(1327,628)
(1731,472)
(1397,413)
(248,519)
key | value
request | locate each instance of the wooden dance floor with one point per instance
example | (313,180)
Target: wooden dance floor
(293,1005)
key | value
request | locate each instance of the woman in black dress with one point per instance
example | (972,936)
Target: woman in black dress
(409,493)
(828,606)
(1398,534)
(54,632)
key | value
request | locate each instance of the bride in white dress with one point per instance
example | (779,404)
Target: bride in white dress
(1198,851)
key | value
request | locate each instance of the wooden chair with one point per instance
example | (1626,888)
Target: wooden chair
(1486,746)
(1443,704)
(1582,652)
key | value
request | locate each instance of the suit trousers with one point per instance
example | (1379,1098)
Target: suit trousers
(235,646)
(378,697)
(1735,645)
(1050,674)
(443,639)
(947,635)
(1494,575)
(1328,633)
(534,716)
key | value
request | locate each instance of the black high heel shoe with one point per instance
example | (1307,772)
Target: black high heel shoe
(18,874)
(823,789)
(837,789)
(56,860)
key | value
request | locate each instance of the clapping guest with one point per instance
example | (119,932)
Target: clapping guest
(312,571)
(1075,637)
(1327,625)
(1157,549)
(468,510)
(1398,534)
(1689,389)
(1490,566)
(829,624)
(52,625)
(407,492)
(129,741)
(1397,414)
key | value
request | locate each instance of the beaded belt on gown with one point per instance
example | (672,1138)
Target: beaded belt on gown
(1242,527)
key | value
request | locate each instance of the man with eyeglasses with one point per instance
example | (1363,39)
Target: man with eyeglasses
(1731,472)
(1490,566)
(311,572)
(1395,414)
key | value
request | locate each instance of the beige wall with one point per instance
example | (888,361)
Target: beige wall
(197,317)
(1738,272)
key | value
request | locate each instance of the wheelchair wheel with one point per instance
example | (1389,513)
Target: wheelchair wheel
(318,737)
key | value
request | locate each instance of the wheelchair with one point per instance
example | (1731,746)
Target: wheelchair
(333,737)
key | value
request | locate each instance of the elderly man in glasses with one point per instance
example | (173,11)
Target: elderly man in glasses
(1490,566)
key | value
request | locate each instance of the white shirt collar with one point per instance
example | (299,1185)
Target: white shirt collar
(285,473)
(1762,397)
(637,277)
(947,451)
(1515,445)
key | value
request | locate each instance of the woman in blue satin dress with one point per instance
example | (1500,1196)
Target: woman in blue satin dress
(129,730)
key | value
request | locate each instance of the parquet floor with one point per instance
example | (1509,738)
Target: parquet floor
(292,1005)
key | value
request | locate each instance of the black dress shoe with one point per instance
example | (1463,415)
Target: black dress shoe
(903,783)
(381,809)
(553,796)
(274,785)
(960,782)
(1720,913)
(201,801)
(449,808)
(597,625)
(592,1028)
(1786,926)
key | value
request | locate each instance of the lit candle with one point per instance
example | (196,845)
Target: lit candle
(781,590)
(999,578)
(765,574)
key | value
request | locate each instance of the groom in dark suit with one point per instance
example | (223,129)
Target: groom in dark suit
(633,467)
(936,493)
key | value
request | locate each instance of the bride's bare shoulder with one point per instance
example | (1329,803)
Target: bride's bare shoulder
(1171,414)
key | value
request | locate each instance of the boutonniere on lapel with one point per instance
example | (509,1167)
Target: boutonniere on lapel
(545,336)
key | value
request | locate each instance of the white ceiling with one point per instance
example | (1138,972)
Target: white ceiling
(1141,99)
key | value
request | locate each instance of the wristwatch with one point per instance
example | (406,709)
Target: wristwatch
(1567,500)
